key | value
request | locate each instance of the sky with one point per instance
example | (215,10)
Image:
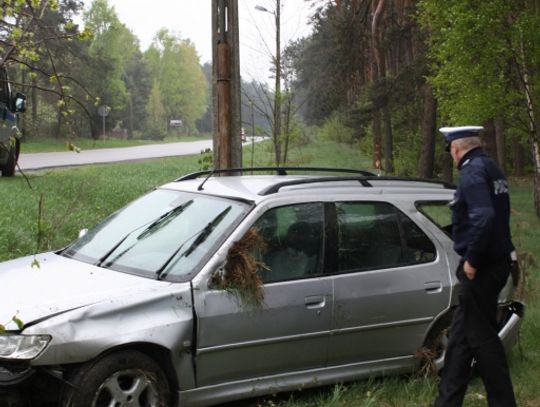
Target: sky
(191,19)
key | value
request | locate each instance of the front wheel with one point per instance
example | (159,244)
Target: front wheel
(127,379)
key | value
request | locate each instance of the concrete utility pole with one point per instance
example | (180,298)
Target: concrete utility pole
(226,85)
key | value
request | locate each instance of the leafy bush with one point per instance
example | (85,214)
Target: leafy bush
(154,131)
(335,129)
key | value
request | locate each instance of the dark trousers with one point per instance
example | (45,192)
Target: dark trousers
(473,335)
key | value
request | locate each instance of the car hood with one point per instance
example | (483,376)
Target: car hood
(58,285)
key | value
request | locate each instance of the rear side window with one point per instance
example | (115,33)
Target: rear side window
(373,235)
(439,213)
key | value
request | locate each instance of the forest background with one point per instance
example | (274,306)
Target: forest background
(382,75)
(375,77)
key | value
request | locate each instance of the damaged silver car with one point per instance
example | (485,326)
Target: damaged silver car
(209,290)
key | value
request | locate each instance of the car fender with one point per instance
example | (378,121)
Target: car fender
(162,317)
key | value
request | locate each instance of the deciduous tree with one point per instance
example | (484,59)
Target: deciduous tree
(174,63)
(486,60)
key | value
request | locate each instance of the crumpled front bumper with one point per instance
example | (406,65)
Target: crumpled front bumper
(12,378)
(12,374)
(510,318)
(512,315)
(23,385)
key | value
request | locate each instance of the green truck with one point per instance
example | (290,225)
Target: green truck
(10,106)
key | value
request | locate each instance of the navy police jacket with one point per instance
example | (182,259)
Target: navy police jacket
(481,211)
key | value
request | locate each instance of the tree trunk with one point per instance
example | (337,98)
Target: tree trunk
(377,138)
(377,73)
(533,130)
(447,165)
(58,123)
(34,125)
(376,37)
(519,157)
(490,144)
(287,128)
(130,126)
(536,160)
(388,140)
(429,124)
(500,141)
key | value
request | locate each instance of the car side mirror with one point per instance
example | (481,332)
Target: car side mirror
(83,232)
(20,103)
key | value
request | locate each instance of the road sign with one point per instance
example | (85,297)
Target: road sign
(103,110)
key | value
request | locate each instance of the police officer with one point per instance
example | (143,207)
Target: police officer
(481,233)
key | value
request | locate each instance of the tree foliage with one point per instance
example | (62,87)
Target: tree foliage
(112,46)
(394,71)
(485,59)
(365,60)
(156,119)
(174,64)
(68,72)
(387,73)
(472,53)
(36,37)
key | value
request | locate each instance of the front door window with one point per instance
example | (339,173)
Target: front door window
(294,242)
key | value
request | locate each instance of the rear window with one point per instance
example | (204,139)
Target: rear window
(439,213)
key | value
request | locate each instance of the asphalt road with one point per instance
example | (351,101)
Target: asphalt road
(39,161)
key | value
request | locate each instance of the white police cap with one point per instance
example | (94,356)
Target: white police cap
(454,133)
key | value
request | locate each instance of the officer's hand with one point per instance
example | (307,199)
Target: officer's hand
(469,270)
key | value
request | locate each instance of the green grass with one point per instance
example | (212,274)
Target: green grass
(46,145)
(77,198)
(324,154)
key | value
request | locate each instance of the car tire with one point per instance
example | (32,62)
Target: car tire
(126,378)
(8,170)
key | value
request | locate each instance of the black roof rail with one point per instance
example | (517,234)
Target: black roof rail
(278,170)
(444,184)
(363,180)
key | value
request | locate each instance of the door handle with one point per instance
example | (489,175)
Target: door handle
(315,301)
(433,287)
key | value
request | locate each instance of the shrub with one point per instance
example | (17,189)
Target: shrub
(335,129)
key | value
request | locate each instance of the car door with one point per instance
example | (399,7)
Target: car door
(289,331)
(390,282)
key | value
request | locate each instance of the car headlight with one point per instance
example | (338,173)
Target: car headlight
(22,347)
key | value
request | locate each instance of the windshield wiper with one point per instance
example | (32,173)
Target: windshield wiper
(148,230)
(164,219)
(116,246)
(202,235)
(206,231)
